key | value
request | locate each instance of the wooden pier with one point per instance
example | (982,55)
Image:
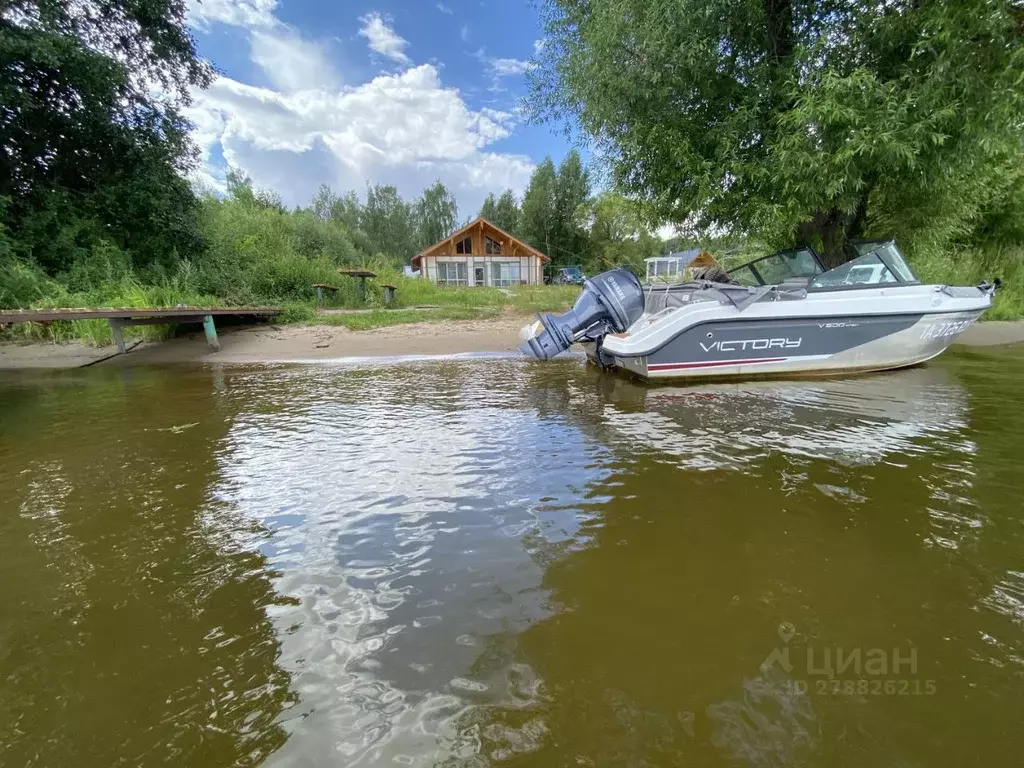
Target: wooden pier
(122,317)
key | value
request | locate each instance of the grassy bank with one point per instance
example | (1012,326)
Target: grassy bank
(122,290)
(287,281)
(969,267)
(416,301)
(383,318)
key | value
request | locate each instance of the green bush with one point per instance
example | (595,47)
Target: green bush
(263,255)
(23,283)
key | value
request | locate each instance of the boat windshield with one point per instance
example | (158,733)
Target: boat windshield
(777,268)
(878,263)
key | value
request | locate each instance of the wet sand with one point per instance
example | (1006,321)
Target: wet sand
(270,344)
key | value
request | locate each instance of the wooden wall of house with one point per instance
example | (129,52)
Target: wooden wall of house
(531,268)
(478,234)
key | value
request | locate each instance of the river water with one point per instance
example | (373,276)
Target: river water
(500,562)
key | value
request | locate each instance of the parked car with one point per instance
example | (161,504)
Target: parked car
(566,276)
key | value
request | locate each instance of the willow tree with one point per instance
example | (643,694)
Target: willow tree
(93,143)
(800,121)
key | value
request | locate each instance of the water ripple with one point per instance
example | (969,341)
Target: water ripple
(470,562)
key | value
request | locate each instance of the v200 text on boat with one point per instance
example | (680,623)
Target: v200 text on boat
(780,314)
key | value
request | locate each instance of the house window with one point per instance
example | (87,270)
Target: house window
(504,273)
(465,245)
(451,273)
(492,246)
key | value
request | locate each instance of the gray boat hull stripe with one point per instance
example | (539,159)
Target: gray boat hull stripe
(754,339)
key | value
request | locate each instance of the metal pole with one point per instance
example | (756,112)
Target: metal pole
(211,333)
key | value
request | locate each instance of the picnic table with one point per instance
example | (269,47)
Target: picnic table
(361,275)
(320,288)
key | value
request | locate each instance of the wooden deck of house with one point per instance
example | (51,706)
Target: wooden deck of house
(125,316)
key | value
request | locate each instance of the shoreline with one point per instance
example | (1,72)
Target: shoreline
(299,343)
(281,344)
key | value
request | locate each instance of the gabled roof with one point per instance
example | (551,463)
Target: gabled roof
(525,246)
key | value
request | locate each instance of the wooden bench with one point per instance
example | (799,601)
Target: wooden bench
(320,288)
(389,293)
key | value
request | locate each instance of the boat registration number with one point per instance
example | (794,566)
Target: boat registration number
(942,330)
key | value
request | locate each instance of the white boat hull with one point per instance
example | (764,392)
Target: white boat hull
(823,334)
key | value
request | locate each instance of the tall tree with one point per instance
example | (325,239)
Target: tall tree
(800,121)
(387,220)
(538,223)
(436,214)
(572,193)
(88,151)
(322,205)
(507,213)
(241,189)
(502,211)
(489,209)
(347,210)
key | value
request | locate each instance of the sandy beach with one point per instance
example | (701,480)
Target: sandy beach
(275,343)
(293,343)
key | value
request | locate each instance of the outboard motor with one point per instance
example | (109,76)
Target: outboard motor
(610,303)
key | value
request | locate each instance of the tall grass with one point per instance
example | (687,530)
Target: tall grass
(286,280)
(965,266)
(417,292)
(124,290)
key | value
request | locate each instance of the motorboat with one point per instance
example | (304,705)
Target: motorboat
(779,315)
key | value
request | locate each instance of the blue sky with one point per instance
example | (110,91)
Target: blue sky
(344,93)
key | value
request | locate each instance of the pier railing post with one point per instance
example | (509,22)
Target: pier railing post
(211,333)
(115,331)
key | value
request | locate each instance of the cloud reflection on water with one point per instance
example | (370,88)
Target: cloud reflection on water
(458,535)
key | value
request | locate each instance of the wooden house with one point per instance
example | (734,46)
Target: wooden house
(481,254)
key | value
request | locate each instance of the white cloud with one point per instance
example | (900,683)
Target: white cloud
(502,67)
(239,13)
(464,32)
(383,39)
(445,9)
(509,67)
(538,46)
(291,63)
(404,129)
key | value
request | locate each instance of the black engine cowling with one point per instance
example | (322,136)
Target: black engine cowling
(610,303)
